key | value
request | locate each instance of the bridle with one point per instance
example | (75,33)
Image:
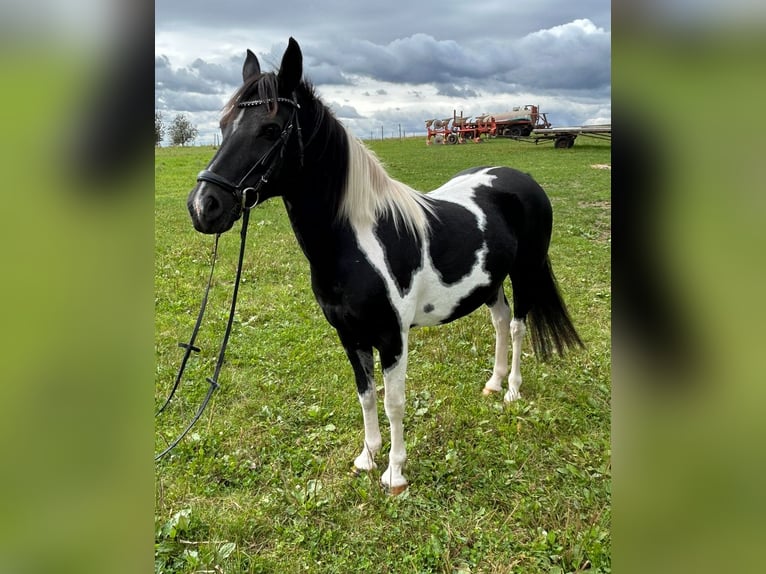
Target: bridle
(247,197)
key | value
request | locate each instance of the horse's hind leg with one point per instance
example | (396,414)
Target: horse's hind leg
(518,329)
(521,306)
(505,327)
(501,318)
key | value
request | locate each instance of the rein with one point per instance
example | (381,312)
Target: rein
(241,194)
(189,347)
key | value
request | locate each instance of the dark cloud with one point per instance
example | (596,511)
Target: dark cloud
(571,56)
(380,22)
(221,75)
(417,59)
(198,78)
(454,91)
(480,51)
(576,55)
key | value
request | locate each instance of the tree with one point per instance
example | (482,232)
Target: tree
(159,128)
(182,131)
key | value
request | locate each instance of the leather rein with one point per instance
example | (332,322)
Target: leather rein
(247,197)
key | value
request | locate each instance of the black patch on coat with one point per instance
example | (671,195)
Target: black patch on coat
(454,242)
(483,295)
(402,251)
(354,299)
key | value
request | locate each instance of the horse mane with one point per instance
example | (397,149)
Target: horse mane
(371,194)
(368,193)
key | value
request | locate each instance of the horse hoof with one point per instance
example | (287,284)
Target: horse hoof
(486,391)
(397,490)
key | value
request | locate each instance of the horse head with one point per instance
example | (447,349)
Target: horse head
(260,137)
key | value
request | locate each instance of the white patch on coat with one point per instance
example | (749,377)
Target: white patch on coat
(427,286)
(237,120)
(461,189)
(198,205)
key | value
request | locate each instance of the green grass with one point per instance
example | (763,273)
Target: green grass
(262,484)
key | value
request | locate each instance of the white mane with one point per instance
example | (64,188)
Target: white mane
(370,193)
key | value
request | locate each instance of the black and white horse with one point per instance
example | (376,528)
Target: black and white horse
(383,257)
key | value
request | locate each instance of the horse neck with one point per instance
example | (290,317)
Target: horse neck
(316,190)
(344,188)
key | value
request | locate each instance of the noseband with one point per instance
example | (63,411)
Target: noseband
(248,197)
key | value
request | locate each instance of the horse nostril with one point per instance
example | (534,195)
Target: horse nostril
(211,206)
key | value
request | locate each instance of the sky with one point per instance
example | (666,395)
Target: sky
(393,64)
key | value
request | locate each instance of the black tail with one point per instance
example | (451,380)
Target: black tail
(550,326)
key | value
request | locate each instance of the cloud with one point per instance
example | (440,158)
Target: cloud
(576,56)
(454,91)
(416,59)
(312,22)
(186,79)
(324,73)
(218,74)
(191,102)
(429,60)
(199,87)
(343,110)
(573,56)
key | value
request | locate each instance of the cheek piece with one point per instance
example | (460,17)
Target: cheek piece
(248,197)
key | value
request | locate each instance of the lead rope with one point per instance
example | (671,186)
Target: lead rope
(190,345)
(213,381)
(242,196)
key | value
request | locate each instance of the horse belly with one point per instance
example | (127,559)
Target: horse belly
(438,302)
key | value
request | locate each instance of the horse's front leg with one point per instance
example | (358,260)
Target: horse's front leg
(363,365)
(394,371)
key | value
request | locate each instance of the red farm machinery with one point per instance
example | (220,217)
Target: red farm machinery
(459,129)
(518,122)
(522,123)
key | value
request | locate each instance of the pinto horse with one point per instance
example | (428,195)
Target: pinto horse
(383,257)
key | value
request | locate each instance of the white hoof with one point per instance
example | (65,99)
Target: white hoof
(393,482)
(494,385)
(365,462)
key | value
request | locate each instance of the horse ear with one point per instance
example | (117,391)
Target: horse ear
(291,69)
(251,67)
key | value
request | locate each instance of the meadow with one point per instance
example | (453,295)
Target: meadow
(262,483)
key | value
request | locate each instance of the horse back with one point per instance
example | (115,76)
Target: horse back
(504,201)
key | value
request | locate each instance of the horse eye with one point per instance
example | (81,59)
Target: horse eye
(270,131)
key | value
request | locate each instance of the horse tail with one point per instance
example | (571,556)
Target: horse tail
(550,326)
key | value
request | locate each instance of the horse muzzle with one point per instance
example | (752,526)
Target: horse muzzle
(211,210)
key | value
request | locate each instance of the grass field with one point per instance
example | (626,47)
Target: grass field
(262,483)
